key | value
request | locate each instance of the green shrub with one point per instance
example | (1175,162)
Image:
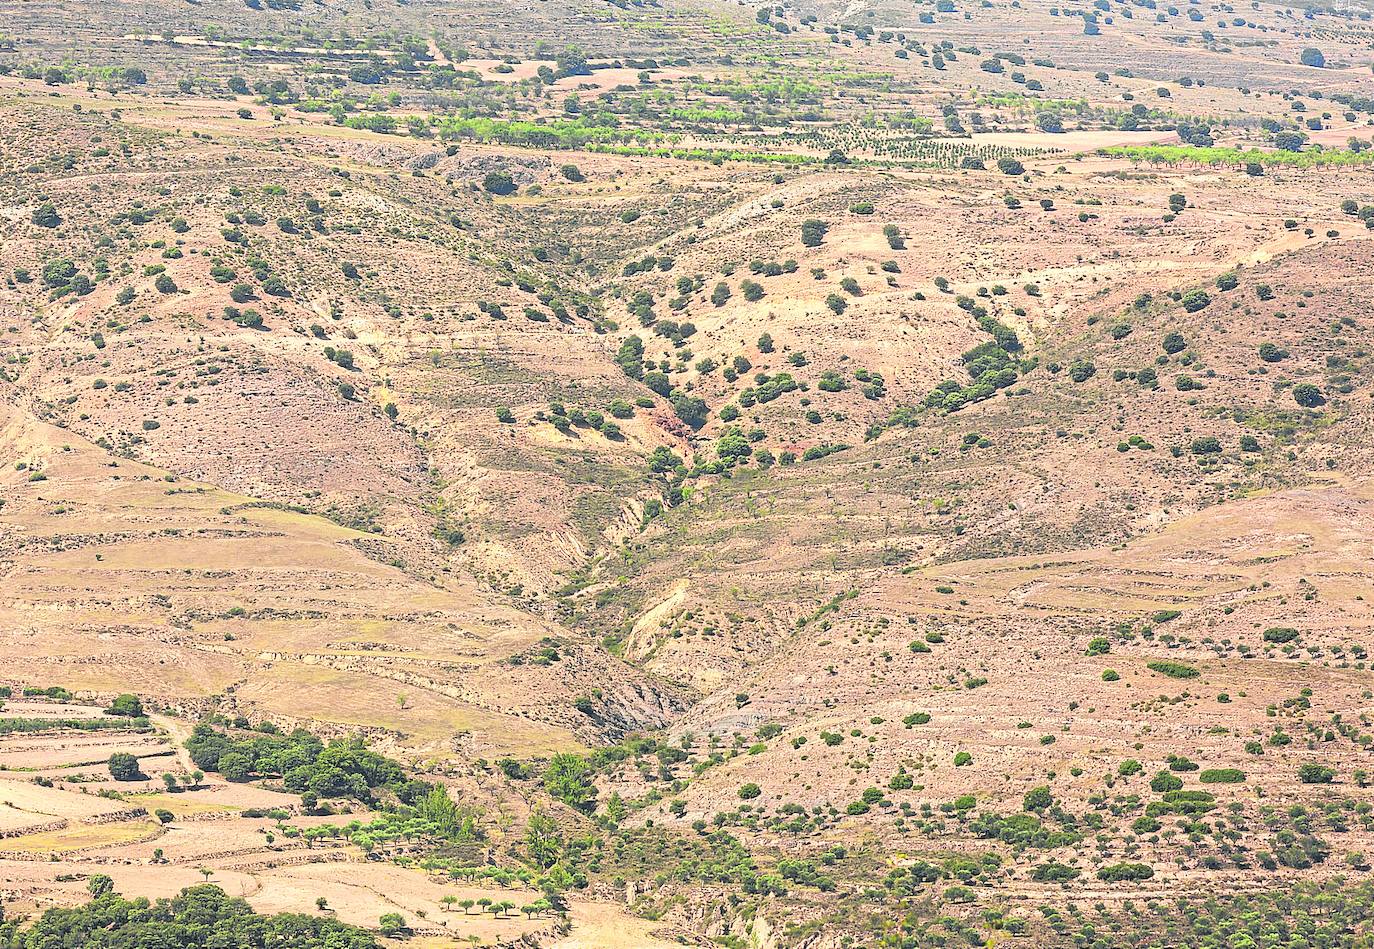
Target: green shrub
(1181,802)
(813,232)
(499,182)
(1222,776)
(1174,670)
(1164,781)
(1055,872)
(45,215)
(1195,300)
(1038,798)
(1119,872)
(1312,773)
(1082,370)
(1308,395)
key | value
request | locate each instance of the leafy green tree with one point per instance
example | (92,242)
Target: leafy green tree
(99,885)
(813,232)
(499,183)
(1289,141)
(391,925)
(58,272)
(1120,872)
(658,382)
(630,357)
(543,839)
(662,460)
(125,704)
(1050,122)
(572,61)
(733,444)
(236,766)
(568,778)
(691,409)
(124,767)
(1038,798)
(1313,773)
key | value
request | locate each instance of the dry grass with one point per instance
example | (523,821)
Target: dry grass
(84,837)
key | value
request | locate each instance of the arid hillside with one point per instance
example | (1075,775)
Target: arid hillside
(808,475)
